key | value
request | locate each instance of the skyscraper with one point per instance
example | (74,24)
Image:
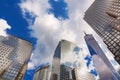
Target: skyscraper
(66,73)
(14,56)
(42,73)
(68,62)
(104,17)
(101,62)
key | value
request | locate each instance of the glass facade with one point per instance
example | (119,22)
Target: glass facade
(80,75)
(56,64)
(67,59)
(114,12)
(16,52)
(107,72)
(42,73)
(66,73)
(4,53)
(104,17)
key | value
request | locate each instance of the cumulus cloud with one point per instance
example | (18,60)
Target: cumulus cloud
(3,27)
(49,30)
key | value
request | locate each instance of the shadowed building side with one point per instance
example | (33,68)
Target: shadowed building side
(55,74)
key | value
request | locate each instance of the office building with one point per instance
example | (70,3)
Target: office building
(101,62)
(4,53)
(14,56)
(81,75)
(114,12)
(68,57)
(42,73)
(66,73)
(104,17)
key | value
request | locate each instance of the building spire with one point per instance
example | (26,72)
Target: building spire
(85,33)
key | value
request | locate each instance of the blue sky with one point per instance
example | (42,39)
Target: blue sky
(11,12)
(45,23)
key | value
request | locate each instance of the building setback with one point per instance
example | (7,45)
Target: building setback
(101,62)
(104,17)
(14,56)
(68,63)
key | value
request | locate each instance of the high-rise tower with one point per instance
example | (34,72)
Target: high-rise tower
(69,63)
(14,56)
(101,62)
(104,17)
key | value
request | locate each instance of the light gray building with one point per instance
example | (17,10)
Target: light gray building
(101,62)
(69,63)
(42,73)
(14,56)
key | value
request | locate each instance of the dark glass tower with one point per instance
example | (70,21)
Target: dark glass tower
(104,17)
(101,62)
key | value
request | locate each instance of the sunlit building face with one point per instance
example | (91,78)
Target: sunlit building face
(42,73)
(101,62)
(4,53)
(69,63)
(14,56)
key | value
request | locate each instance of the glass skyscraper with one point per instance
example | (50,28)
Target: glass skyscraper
(69,63)
(104,17)
(101,62)
(66,73)
(14,56)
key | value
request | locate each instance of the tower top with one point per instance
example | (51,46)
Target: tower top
(85,33)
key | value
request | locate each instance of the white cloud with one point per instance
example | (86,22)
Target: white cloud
(3,27)
(31,65)
(49,31)
(56,0)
